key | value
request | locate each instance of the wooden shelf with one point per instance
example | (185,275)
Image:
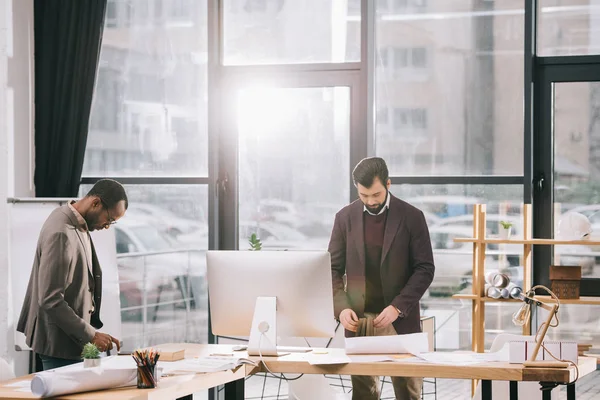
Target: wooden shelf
(590,242)
(588,300)
(465,296)
(582,300)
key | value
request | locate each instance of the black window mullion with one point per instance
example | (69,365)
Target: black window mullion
(458,180)
(132,180)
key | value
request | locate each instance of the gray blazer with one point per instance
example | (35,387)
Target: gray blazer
(62,303)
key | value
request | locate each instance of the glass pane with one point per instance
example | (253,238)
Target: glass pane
(276,31)
(161,243)
(150,102)
(498,319)
(568,27)
(449,86)
(577,322)
(577,168)
(448,210)
(293,164)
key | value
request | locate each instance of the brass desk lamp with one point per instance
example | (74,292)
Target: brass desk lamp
(522,316)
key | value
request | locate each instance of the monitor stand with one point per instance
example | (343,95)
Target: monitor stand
(263,334)
(264,331)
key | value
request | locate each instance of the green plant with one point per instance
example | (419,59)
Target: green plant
(506,224)
(90,351)
(255,243)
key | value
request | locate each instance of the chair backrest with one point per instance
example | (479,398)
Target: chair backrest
(6,371)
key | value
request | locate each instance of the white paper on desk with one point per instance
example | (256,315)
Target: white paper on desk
(458,358)
(413,343)
(61,381)
(410,360)
(203,364)
(327,359)
(366,358)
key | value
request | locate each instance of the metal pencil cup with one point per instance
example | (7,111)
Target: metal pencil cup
(146,377)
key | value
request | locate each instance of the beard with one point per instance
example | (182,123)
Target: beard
(376,209)
(92,224)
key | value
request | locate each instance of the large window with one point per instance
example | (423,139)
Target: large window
(293,164)
(443,90)
(149,114)
(290,31)
(568,27)
(449,87)
(148,128)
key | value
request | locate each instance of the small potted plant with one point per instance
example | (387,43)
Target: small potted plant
(90,355)
(505,230)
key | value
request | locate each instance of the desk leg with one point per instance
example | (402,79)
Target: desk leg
(486,390)
(514,390)
(547,389)
(235,390)
(571,391)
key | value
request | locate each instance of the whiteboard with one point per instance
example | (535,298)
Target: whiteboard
(25,218)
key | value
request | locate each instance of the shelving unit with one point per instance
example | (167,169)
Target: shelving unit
(478,297)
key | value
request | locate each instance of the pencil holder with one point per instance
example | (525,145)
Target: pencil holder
(146,377)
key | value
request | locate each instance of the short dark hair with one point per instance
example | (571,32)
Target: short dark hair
(110,192)
(368,169)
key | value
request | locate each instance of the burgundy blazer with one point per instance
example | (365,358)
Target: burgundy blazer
(407,266)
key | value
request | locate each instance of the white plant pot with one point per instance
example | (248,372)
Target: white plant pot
(91,362)
(504,233)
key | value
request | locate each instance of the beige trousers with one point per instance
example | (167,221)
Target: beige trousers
(367,387)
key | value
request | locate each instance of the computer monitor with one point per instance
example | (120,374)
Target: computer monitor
(266,294)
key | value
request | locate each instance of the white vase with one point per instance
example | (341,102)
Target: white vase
(504,233)
(91,362)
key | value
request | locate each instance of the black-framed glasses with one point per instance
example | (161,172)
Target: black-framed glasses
(110,220)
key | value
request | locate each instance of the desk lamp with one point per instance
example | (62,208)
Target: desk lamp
(522,316)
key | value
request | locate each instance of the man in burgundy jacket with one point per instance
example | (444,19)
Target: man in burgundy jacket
(382,245)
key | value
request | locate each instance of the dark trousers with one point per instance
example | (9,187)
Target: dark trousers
(367,387)
(53,362)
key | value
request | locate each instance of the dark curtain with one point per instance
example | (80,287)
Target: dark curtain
(68,36)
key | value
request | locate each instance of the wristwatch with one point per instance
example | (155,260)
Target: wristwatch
(400,313)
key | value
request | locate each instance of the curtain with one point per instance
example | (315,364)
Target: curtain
(68,37)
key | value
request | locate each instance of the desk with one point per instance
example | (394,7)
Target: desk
(172,387)
(486,372)
(182,387)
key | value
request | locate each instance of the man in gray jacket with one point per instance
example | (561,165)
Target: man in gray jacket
(61,310)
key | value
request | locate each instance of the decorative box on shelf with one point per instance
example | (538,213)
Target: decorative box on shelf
(565,280)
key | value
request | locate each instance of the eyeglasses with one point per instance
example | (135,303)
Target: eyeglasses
(110,220)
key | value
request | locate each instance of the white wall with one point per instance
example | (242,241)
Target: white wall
(21,94)
(4,312)
(16,146)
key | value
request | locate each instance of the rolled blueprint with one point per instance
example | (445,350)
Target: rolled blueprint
(76,379)
(515,291)
(493,292)
(497,279)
